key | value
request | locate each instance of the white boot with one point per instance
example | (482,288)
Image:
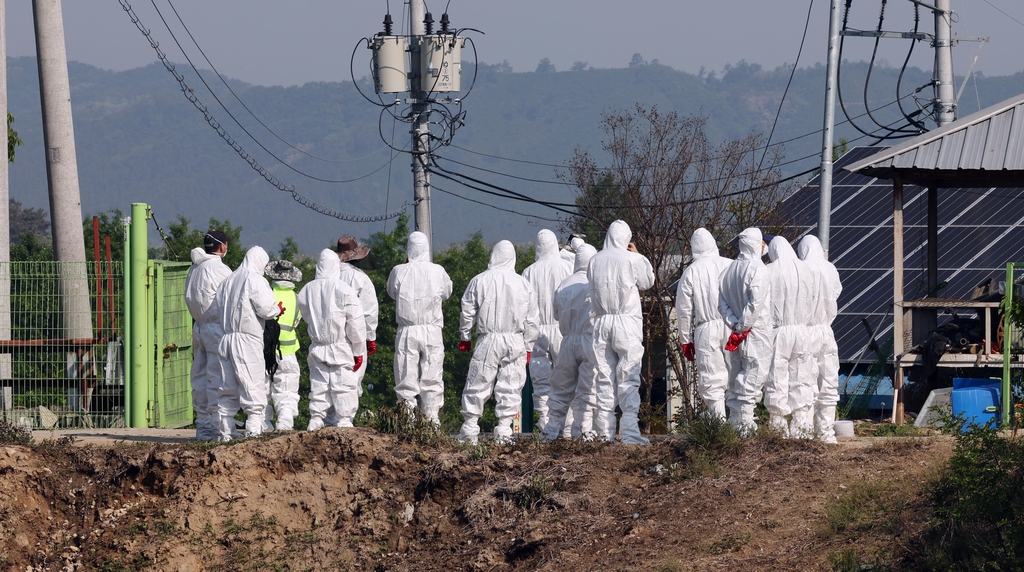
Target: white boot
(802,424)
(824,423)
(716,407)
(268,416)
(315,423)
(779,424)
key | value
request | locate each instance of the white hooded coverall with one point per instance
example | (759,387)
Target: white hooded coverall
(788,389)
(572,379)
(745,294)
(700,320)
(244,301)
(825,352)
(616,276)
(502,305)
(419,287)
(544,276)
(337,333)
(204,277)
(367,294)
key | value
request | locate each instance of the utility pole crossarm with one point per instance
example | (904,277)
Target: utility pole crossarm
(910,36)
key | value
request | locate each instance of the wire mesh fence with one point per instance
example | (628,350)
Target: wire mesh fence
(61,327)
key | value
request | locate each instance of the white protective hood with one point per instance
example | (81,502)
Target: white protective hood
(547,244)
(810,248)
(702,244)
(418,248)
(256,259)
(503,255)
(583,255)
(328,265)
(618,236)
(751,242)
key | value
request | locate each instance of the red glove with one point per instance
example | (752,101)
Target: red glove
(527,358)
(689,352)
(280,306)
(359,363)
(371,347)
(735,340)
(466,346)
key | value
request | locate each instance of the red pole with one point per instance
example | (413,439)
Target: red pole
(99,275)
(110,290)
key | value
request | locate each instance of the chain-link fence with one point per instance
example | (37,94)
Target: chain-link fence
(61,327)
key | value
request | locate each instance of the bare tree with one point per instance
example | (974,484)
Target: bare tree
(665,179)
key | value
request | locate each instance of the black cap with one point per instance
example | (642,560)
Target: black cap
(214,239)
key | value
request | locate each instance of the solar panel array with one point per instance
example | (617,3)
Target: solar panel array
(979,231)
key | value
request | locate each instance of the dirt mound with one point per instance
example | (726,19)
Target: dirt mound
(351,499)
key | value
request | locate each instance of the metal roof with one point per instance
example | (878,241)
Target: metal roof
(982,149)
(979,230)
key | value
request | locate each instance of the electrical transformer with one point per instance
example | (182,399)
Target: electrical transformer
(389,69)
(441,63)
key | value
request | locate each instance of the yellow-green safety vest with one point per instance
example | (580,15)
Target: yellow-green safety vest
(289,339)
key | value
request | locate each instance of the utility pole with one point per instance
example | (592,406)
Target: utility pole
(420,127)
(62,169)
(5,215)
(944,102)
(825,176)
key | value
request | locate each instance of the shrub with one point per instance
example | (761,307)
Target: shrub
(978,505)
(13,435)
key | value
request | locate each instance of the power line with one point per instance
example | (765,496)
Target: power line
(189,94)
(1004,13)
(783,142)
(237,98)
(436,188)
(792,73)
(239,124)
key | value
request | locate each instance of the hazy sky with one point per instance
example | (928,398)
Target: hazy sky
(272,42)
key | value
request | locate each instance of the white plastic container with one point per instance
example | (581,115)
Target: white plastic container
(844,428)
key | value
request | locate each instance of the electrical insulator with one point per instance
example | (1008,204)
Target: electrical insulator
(389,69)
(441,63)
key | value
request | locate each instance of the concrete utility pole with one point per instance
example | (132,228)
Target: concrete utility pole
(62,168)
(945,102)
(420,130)
(825,177)
(5,214)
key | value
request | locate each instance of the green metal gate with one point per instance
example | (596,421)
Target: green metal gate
(172,345)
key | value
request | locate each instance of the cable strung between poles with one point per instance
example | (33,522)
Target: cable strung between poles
(256,166)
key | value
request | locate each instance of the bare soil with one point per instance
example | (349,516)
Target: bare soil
(353,499)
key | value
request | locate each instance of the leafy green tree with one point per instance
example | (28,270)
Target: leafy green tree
(27,220)
(12,138)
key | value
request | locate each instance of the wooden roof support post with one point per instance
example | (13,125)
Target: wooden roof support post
(897,297)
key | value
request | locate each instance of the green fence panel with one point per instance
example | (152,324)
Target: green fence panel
(172,345)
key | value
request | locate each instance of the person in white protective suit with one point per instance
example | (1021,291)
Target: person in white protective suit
(544,276)
(702,331)
(616,275)
(502,305)
(349,252)
(572,379)
(244,301)
(744,304)
(419,287)
(204,277)
(825,352)
(284,386)
(568,252)
(337,339)
(788,389)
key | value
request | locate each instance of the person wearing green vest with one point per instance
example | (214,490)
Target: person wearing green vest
(284,387)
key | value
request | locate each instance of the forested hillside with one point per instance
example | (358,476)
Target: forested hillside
(139,139)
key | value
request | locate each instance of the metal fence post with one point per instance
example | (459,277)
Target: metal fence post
(139,318)
(1007,347)
(126,338)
